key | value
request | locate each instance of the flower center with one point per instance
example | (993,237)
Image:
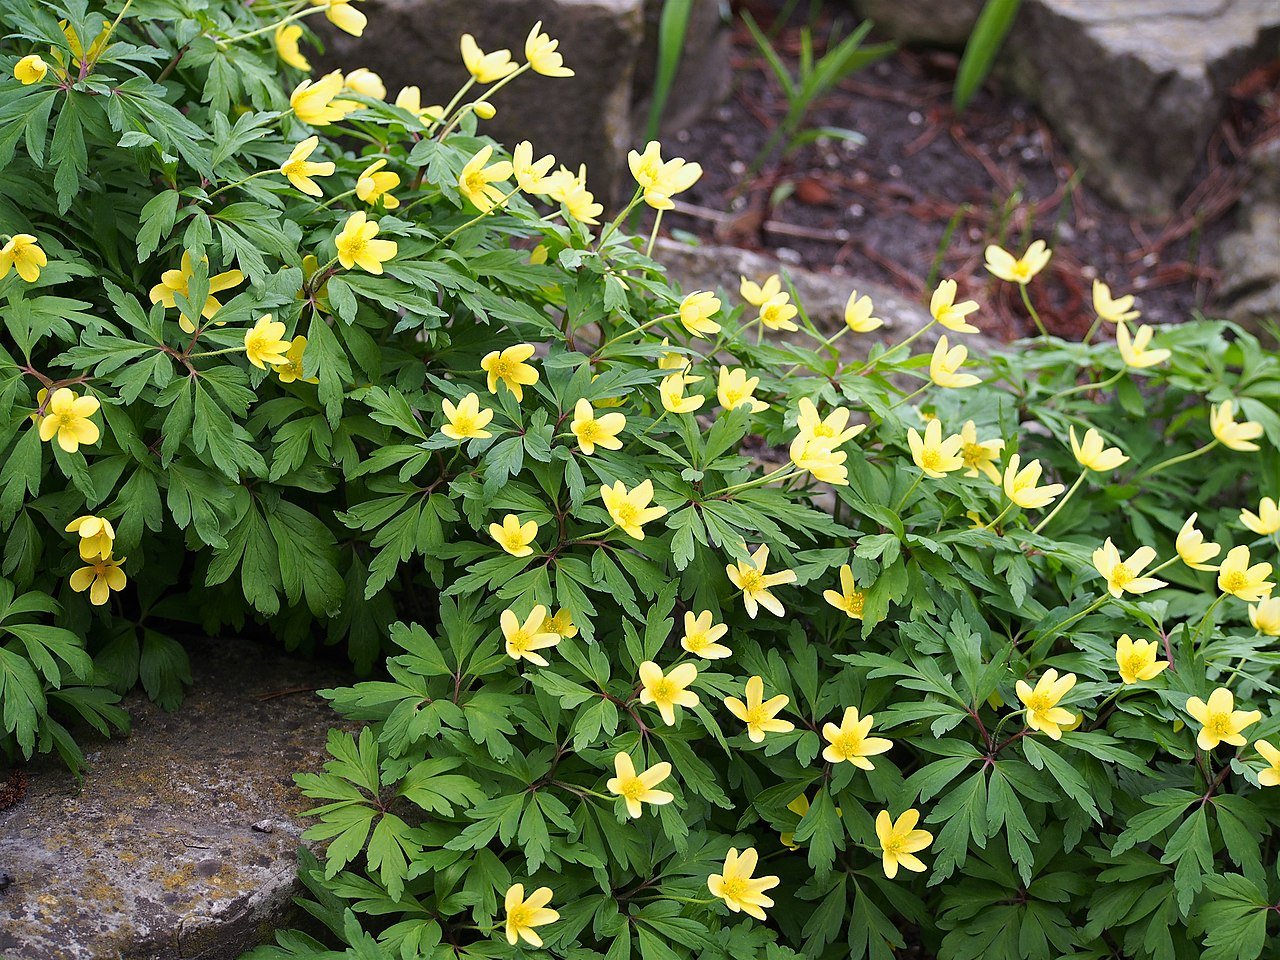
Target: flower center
(1233,581)
(1218,724)
(1122,576)
(519,641)
(752,580)
(476,182)
(847,744)
(355,247)
(973,454)
(930,459)
(757,715)
(695,641)
(734,888)
(633,789)
(1038,703)
(590,432)
(66,419)
(854,602)
(1134,663)
(626,514)
(502,368)
(893,846)
(663,691)
(520,916)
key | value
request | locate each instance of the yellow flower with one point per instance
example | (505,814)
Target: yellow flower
(738,888)
(749,577)
(357,246)
(1043,712)
(667,691)
(799,806)
(1112,309)
(97,537)
(22,253)
(776,313)
(343,15)
(943,307)
(670,360)
(630,509)
(1002,264)
(1193,549)
(1266,521)
(1093,455)
(819,457)
(571,190)
(509,367)
(945,362)
(671,389)
(365,82)
(848,598)
(696,311)
(561,623)
(758,713)
(540,51)
(291,369)
(1236,436)
(375,184)
(593,431)
(513,536)
(1220,721)
(1020,485)
(68,419)
(857,314)
(849,741)
(30,69)
(661,181)
(287,37)
(1269,776)
(484,109)
(935,456)
(900,841)
(179,281)
(410,99)
(701,636)
(530,174)
(1134,351)
(477,180)
(1123,576)
(525,639)
(313,100)
(1137,659)
(638,788)
(100,577)
(1265,616)
(736,388)
(300,170)
(485,67)
(814,427)
(523,915)
(265,344)
(466,421)
(759,294)
(979,455)
(1239,579)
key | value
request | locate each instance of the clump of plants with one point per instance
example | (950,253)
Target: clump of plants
(692,636)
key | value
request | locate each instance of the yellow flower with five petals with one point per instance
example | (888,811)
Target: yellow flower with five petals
(1220,721)
(509,368)
(524,640)
(760,715)
(849,742)
(1041,703)
(702,635)
(637,788)
(666,691)
(1124,576)
(630,509)
(749,576)
(514,537)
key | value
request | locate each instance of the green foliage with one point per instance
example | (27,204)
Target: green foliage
(324,501)
(983,46)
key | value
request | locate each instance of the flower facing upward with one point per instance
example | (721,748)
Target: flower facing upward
(737,886)
(530,174)
(513,536)
(1220,721)
(1001,263)
(1092,454)
(22,253)
(173,282)
(1269,776)
(1192,547)
(265,343)
(1124,576)
(776,313)
(593,431)
(832,427)
(466,421)
(849,741)
(945,364)
(31,69)
(736,388)
(1266,521)
(100,578)
(671,390)
(287,36)
(667,691)
(97,537)
(476,181)
(1134,350)
(1041,702)
(857,314)
(357,246)
(900,841)
(759,714)
(1137,659)
(696,311)
(848,599)
(1236,436)
(638,788)
(943,307)
(485,67)
(1112,309)
(314,103)
(67,418)
(300,170)
(660,180)
(1265,616)
(540,50)
(1239,579)
(561,623)
(630,509)
(376,184)
(758,294)
(932,454)
(343,15)
(291,369)
(979,456)
(524,915)
(524,640)
(701,636)
(819,457)
(509,368)
(749,577)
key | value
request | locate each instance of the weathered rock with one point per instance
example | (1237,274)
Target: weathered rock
(942,23)
(163,853)
(1249,291)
